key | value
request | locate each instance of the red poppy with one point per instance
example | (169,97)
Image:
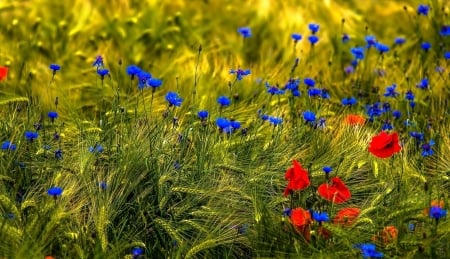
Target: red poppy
(388,235)
(337,192)
(354,120)
(3,73)
(297,177)
(347,216)
(384,145)
(301,219)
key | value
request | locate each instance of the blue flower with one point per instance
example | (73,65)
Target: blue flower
(240,73)
(445,31)
(390,91)
(309,116)
(143,77)
(292,84)
(55,68)
(371,41)
(327,169)
(137,252)
(173,99)
(96,149)
(309,82)
(425,46)
(313,39)
(287,212)
(358,53)
(349,69)
(58,154)
(154,82)
(423,9)
(320,216)
(447,55)
(345,38)
(321,124)
(52,115)
(382,48)
(313,92)
(273,90)
(424,84)
(8,145)
(324,93)
(437,212)
(246,32)
(374,110)
(275,121)
(427,148)
(399,41)
(369,250)
(31,135)
(409,95)
(102,72)
(203,115)
(396,114)
(223,123)
(55,191)
(417,135)
(387,125)
(102,185)
(98,62)
(349,101)
(314,28)
(223,101)
(133,70)
(296,37)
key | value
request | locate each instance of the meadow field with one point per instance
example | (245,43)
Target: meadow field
(224,129)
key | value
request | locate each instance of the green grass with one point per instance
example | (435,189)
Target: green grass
(176,186)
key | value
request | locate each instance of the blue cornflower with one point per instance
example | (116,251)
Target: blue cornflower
(374,110)
(102,72)
(313,92)
(327,169)
(417,135)
(412,104)
(55,191)
(31,135)
(349,69)
(273,90)
(321,124)
(136,252)
(314,28)
(8,145)
(292,84)
(324,93)
(96,149)
(58,154)
(382,48)
(265,117)
(203,115)
(98,62)
(423,9)
(447,55)
(296,92)
(143,77)
(275,121)
(390,91)
(309,116)
(309,82)
(223,101)
(240,73)
(287,212)
(445,31)
(424,84)
(349,101)
(173,99)
(357,52)
(103,185)
(427,149)
(246,32)
(369,250)
(371,41)
(133,70)
(55,67)
(320,216)
(437,212)
(235,124)
(345,38)
(313,39)
(223,123)
(399,41)
(154,83)
(387,125)
(409,95)
(354,63)
(296,37)
(396,114)
(425,46)
(52,115)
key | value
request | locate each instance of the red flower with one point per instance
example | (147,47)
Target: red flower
(388,235)
(297,177)
(384,145)
(3,73)
(301,219)
(346,216)
(354,120)
(337,192)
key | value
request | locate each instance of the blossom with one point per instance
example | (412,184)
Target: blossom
(313,39)
(327,169)
(52,115)
(273,90)
(382,48)
(424,84)
(409,95)
(296,37)
(349,101)
(346,216)
(31,135)
(103,185)
(445,31)
(203,115)
(313,92)
(425,46)
(223,101)
(369,250)
(300,217)
(133,70)
(240,73)
(309,116)
(136,252)
(58,154)
(143,77)
(370,40)
(396,114)
(321,216)
(297,177)
(390,91)
(345,38)
(447,55)
(357,52)
(427,148)
(313,27)
(223,123)
(96,149)
(437,212)
(55,67)
(275,121)
(388,235)
(337,192)
(246,32)
(102,72)
(399,41)
(154,82)
(55,191)
(385,145)
(98,62)
(309,82)
(354,120)
(173,99)
(8,145)
(3,73)
(423,9)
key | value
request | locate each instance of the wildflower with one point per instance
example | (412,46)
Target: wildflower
(235,125)
(58,154)
(320,216)
(390,91)
(265,117)
(313,92)
(445,31)
(369,250)
(301,219)
(374,110)
(309,116)
(358,53)
(354,120)
(321,124)
(386,107)
(337,192)
(96,149)
(346,216)
(203,115)
(314,28)
(143,77)
(173,99)
(349,101)
(349,69)
(296,37)
(223,123)
(399,41)
(417,135)
(387,125)
(324,93)
(54,68)
(292,84)
(98,62)
(423,9)
(447,55)
(396,114)
(313,39)
(345,38)
(409,95)
(385,145)
(437,212)
(309,82)
(388,235)
(275,121)
(102,73)
(371,41)
(8,145)
(223,101)
(154,83)
(382,48)
(55,191)
(425,46)
(133,70)
(240,73)
(136,252)
(246,32)
(31,135)
(427,148)
(273,90)
(297,177)
(52,115)
(327,169)
(103,185)
(424,84)
(287,212)
(3,73)
(412,104)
